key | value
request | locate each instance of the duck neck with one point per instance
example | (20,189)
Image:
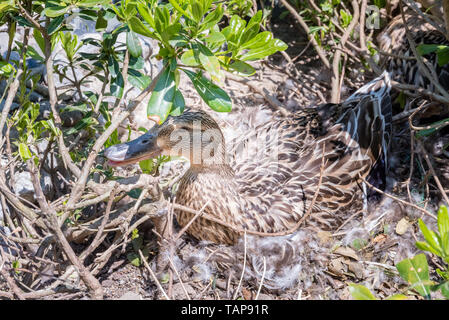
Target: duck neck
(211,154)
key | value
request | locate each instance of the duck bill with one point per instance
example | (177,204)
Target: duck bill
(142,148)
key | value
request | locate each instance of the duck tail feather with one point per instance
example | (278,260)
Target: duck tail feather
(377,88)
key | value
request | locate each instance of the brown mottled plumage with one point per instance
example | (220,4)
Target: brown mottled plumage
(393,40)
(265,181)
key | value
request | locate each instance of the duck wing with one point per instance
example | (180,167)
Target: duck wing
(278,165)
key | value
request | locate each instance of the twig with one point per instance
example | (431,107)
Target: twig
(432,170)
(243,269)
(14,87)
(184,229)
(257,87)
(399,200)
(8,279)
(51,220)
(179,277)
(68,162)
(335,93)
(362,25)
(153,275)
(422,67)
(425,92)
(412,5)
(97,239)
(263,278)
(309,35)
(118,119)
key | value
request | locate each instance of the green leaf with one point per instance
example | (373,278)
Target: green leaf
(92,3)
(443,56)
(380,3)
(138,79)
(175,5)
(146,15)
(135,193)
(113,67)
(101,23)
(315,29)
(85,122)
(55,25)
(188,58)
(117,85)
(242,68)
(134,259)
(443,228)
(443,220)
(197,10)
(161,99)
(215,37)
(133,44)
(252,28)
(170,32)
(146,166)
(178,104)
(426,247)
(214,96)
(415,272)
(360,292)
(273,46)
(50,125)
(424,49)
(260,40)
(137,26)
(24,152)
(210,62)
(444,288)
(55,11)
(212,18)
(6,68)
(431,237)
(136,62)
(442,52)
(4,6)
(39,39)
(345,17)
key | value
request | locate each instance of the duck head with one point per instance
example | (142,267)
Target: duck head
(193,135)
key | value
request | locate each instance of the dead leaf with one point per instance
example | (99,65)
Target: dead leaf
(337,267)
(380,238)
(356,268)
(402,226)
(347,252)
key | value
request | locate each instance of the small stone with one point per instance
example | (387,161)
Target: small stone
(402,226)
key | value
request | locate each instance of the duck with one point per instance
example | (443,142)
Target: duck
(267,180)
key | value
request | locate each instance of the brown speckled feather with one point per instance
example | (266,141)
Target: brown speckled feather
(393,40)
(272,173)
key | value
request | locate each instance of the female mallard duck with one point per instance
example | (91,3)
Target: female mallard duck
(266,183)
